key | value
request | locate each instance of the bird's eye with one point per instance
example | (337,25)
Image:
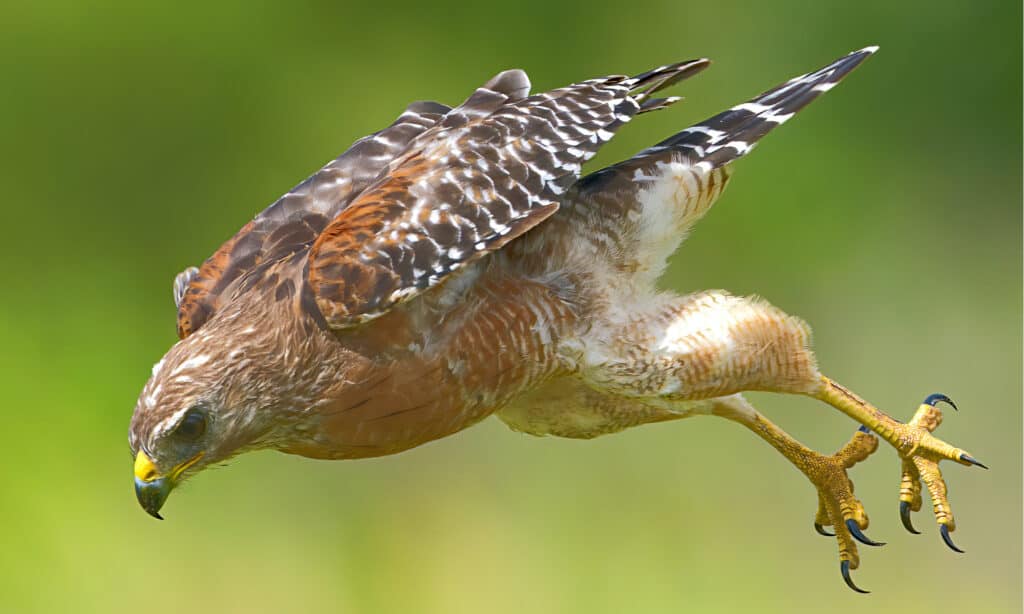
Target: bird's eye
(192,426)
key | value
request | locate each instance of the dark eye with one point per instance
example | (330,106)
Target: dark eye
(192,426)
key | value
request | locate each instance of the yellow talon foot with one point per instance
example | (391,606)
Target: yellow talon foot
(910,495)
(837,507)
(921,453)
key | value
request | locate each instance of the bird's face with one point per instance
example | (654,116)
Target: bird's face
(206,401)
(178,448)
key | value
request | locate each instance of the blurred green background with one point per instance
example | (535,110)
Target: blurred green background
(138,136)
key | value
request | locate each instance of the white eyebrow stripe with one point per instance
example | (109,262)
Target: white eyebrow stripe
(151,396)
(191,363)
(171,420)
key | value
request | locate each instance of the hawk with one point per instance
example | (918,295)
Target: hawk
(455,265)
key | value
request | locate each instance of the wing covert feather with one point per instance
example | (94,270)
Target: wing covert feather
(493,168)
(294,221)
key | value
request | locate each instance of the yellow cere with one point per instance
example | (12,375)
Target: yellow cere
(145,470)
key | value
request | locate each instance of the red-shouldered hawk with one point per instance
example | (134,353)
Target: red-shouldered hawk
(454,265)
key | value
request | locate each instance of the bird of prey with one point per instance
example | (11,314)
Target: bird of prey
(455,265)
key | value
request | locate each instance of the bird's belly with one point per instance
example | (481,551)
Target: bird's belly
(566,407)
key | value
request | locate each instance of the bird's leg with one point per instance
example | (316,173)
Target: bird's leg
(710,345)
(919,450)
(837,507)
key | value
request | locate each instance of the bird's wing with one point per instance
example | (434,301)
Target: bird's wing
(718,140)
(181,283)
(493,168)
(293,222)
(641,209)
(733,133)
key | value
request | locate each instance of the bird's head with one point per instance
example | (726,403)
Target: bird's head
(227,388)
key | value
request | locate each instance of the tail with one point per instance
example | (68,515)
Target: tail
(731,134)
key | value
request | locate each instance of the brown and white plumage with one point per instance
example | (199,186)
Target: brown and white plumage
(454,265)
(293,222)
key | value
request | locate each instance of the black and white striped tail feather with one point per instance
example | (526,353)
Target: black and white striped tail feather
(734,133)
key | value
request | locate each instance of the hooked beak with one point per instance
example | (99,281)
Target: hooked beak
(152,488)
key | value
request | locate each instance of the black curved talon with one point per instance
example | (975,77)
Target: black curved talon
(864,429)
(944,530)
(821,531)
(970,459)
(905,518)
(939,398)
(851,524)
(844,568)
